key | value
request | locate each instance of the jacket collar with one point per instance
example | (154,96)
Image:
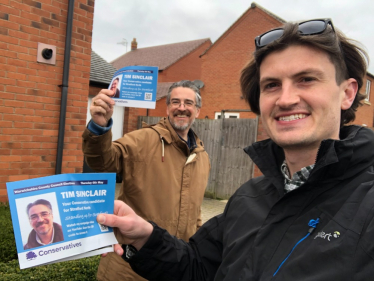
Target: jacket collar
(336,159)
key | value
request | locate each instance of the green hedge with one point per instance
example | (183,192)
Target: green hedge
(8,250)
(83,269)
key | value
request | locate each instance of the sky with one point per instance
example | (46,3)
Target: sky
(159,22)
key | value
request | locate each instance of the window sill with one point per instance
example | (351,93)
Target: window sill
(367,102)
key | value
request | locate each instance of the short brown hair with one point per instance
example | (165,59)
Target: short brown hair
(350,61)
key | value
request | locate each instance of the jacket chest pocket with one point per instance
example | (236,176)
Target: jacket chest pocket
(327,254)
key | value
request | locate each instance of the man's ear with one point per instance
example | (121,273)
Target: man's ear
(350,91)
(197,112)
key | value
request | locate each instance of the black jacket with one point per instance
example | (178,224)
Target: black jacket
(261,225)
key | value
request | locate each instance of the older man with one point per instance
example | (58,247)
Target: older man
(310,216)
(164,167)
(45,231)
(114,88)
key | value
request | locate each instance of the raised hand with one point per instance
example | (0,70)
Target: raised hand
(101,108)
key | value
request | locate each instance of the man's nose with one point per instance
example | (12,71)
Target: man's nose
(180,105)
(39,218)
(288,96)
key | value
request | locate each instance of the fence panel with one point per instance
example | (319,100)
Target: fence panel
(224,140)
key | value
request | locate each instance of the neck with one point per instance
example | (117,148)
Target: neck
(45,238)
(182,134)
(300,158)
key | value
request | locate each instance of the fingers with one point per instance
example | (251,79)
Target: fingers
(123,214)
(104,100)
(118,249)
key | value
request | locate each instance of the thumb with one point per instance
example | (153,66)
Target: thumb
(101,219)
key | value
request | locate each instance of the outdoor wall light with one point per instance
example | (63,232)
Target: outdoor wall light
(46,54)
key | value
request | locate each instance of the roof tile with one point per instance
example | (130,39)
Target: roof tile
(161,56)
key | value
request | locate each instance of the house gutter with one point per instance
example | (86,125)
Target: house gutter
(64,87)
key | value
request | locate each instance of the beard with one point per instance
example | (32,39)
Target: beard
(183,127)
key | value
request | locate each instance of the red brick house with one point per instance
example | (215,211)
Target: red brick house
(365,114)
(34,103)
(225,58)
(178,61)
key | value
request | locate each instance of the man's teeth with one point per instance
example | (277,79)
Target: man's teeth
(182,115)
(292,117)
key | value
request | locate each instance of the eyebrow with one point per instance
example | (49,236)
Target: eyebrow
(175,99)
(308,71)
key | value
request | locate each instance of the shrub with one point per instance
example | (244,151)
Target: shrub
(80,270)
(8,249)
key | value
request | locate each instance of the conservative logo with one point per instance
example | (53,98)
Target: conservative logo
(31,256)
(327,236)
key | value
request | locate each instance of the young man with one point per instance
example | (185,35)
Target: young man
(45,231)
(164,167)
(310,216)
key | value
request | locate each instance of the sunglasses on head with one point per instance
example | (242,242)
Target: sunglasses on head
(309,27)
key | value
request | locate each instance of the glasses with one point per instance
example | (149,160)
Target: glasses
(186,103)
(309,27)
(43,215)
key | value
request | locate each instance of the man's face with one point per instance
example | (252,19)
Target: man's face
(41,219)
(182,109)
(300,100)
(114,86)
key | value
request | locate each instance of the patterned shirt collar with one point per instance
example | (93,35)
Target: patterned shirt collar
(297,179)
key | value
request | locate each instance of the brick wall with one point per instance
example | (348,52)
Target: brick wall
(365,113)
(30,92)
(187,68)
(224,61)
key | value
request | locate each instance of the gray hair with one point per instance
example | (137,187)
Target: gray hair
(39,202)
(185,84)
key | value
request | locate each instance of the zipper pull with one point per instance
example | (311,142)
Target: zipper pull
(313,225)
(162,150)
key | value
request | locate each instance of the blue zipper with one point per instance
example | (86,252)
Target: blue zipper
(313,225)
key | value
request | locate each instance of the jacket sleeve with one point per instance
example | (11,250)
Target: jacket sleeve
(165,257)
(100,153)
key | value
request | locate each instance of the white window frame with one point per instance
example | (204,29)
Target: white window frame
(368,85)
(227,115)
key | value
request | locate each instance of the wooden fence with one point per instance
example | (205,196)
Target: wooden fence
(224,140)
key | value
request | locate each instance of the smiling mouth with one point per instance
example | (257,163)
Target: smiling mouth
(292,117)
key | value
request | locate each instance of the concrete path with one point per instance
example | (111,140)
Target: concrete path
(209,208)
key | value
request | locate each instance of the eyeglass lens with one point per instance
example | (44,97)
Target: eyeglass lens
(312,27)
(270,37)
(42,215)
(306,28)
